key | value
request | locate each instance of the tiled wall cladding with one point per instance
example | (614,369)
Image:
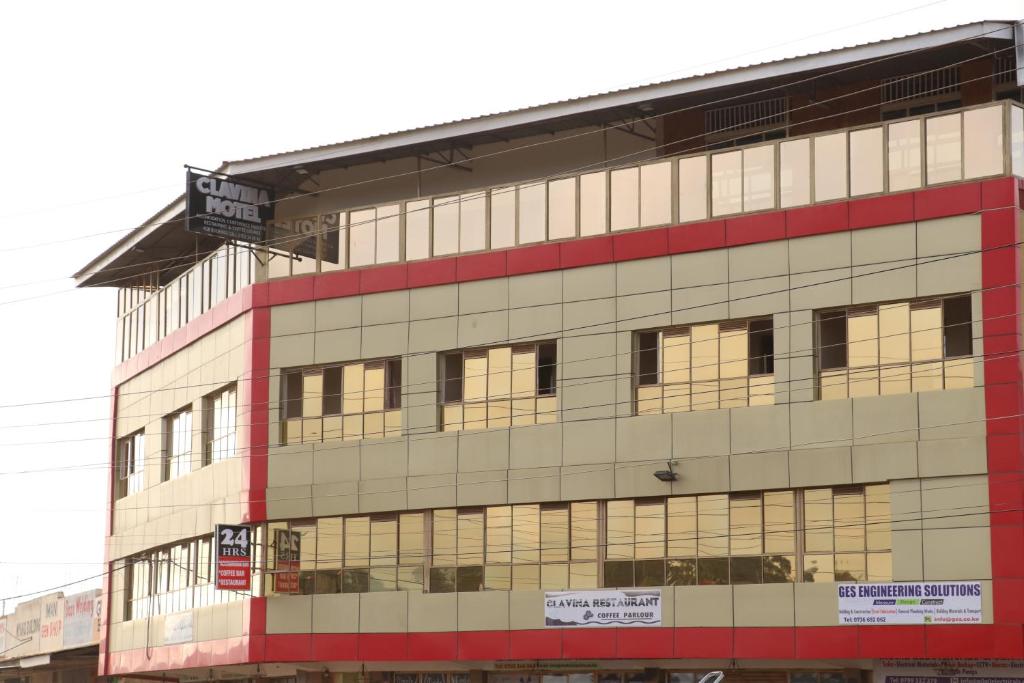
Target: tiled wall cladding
(892,157)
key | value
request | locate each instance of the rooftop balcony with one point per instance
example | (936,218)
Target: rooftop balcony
(890,157)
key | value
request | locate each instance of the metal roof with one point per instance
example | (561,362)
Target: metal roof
(629,98)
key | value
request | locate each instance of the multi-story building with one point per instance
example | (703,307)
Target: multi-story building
(747,341)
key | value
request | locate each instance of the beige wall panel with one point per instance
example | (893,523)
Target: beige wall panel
(535,446)
(701,433)
(954,501)
(335,498)
(763,605)
(384,458)
(291,319)
(816,604)
(586,442)
(706,474)
(885,461)
(488,487)
(434,302)
(821,423)
(823,289)
(484,611)
(885,419)
(748,298)
(289,501)
(700,303)
(337,314)
(336,613)
(386,307)
(757,471)
(537,289)
(760,428)
(433,612)
(483,450)
(290,465)
(588,482)
(643,438)
(436,453)
(378,495)
(385,340)
(526,610)
(433,334)
(957,554)
(432,491)
(334,346)
(336,461)
(703,606)
(637,480)
(952,235)
(947,457)
(949,275)
(386,612)
(820,466)
(290,613)
(953,413)
(483,296)
(640,311)
(480,329)
(535,323)
(592,282)
(643,276)
(534,484)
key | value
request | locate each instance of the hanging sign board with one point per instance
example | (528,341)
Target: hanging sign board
(602,608)
(234,557)
(223,207)
(945,602)
(286,551)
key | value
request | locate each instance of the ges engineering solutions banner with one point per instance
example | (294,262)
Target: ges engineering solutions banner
(938,602)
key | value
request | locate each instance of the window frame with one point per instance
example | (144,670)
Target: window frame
(174,465)
(131,464)
(210,425)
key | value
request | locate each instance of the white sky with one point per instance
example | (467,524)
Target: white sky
(103,103)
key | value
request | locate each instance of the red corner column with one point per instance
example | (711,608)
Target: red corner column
(1004,407)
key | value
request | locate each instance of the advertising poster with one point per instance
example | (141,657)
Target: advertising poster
(233,557)
(226,208)
(286,550)
(940,602)
(624,608)
(82,619)
(948,671)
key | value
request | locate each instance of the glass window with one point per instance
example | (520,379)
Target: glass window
(625,196)
(446,225)
(866,158)
(221,412)
(759,178)
(656,194)
(983,142)
(1016,140)
(943,148)
(503,217)
(713,525)
(473,222)
(693,189)
(363,235)
(417,230)
(178,450)
(131,464)
(726,183)
(795,172)
(830,167)
(904,155)
(532,213)
(593,203)
(562,208)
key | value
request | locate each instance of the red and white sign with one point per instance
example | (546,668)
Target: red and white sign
(286,577)
(234,557)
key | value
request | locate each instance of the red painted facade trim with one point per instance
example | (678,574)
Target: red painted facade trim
(1004,397)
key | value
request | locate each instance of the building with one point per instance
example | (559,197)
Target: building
(51,639)
(746,342)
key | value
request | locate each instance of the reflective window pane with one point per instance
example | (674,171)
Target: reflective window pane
(562,208)
(759,178)
(726,183)
(713,525)
(656,194)
(795,172)
(446,225)
(503,217)
(943,148)
(620,529)
(594,203)
(472,222)
(830,167)
(387,233)
(866,161)
(417,230)
(363,236)
(904,155)
(693,189)
(1017,140)
(625,212)
(532,213)
(983,142)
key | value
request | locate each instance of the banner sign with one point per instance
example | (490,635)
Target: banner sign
(228,209)
(51,624)
(948,671)
(234,557)
(82,618)
(178,628)
(947,602)
(286,551)
(602,608)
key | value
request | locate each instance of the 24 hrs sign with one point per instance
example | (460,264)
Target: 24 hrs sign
(234,557)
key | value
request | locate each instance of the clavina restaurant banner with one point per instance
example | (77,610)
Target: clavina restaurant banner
(623,608)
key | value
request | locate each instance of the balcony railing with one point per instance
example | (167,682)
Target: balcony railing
(895,156)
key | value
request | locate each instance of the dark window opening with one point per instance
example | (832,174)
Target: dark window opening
(442,579)
(618,574)
(647,358)
(761,348)
(332,391)
(832,340)
(393,384)
(293,394)
(546,376)
(956,327)
(452,388)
